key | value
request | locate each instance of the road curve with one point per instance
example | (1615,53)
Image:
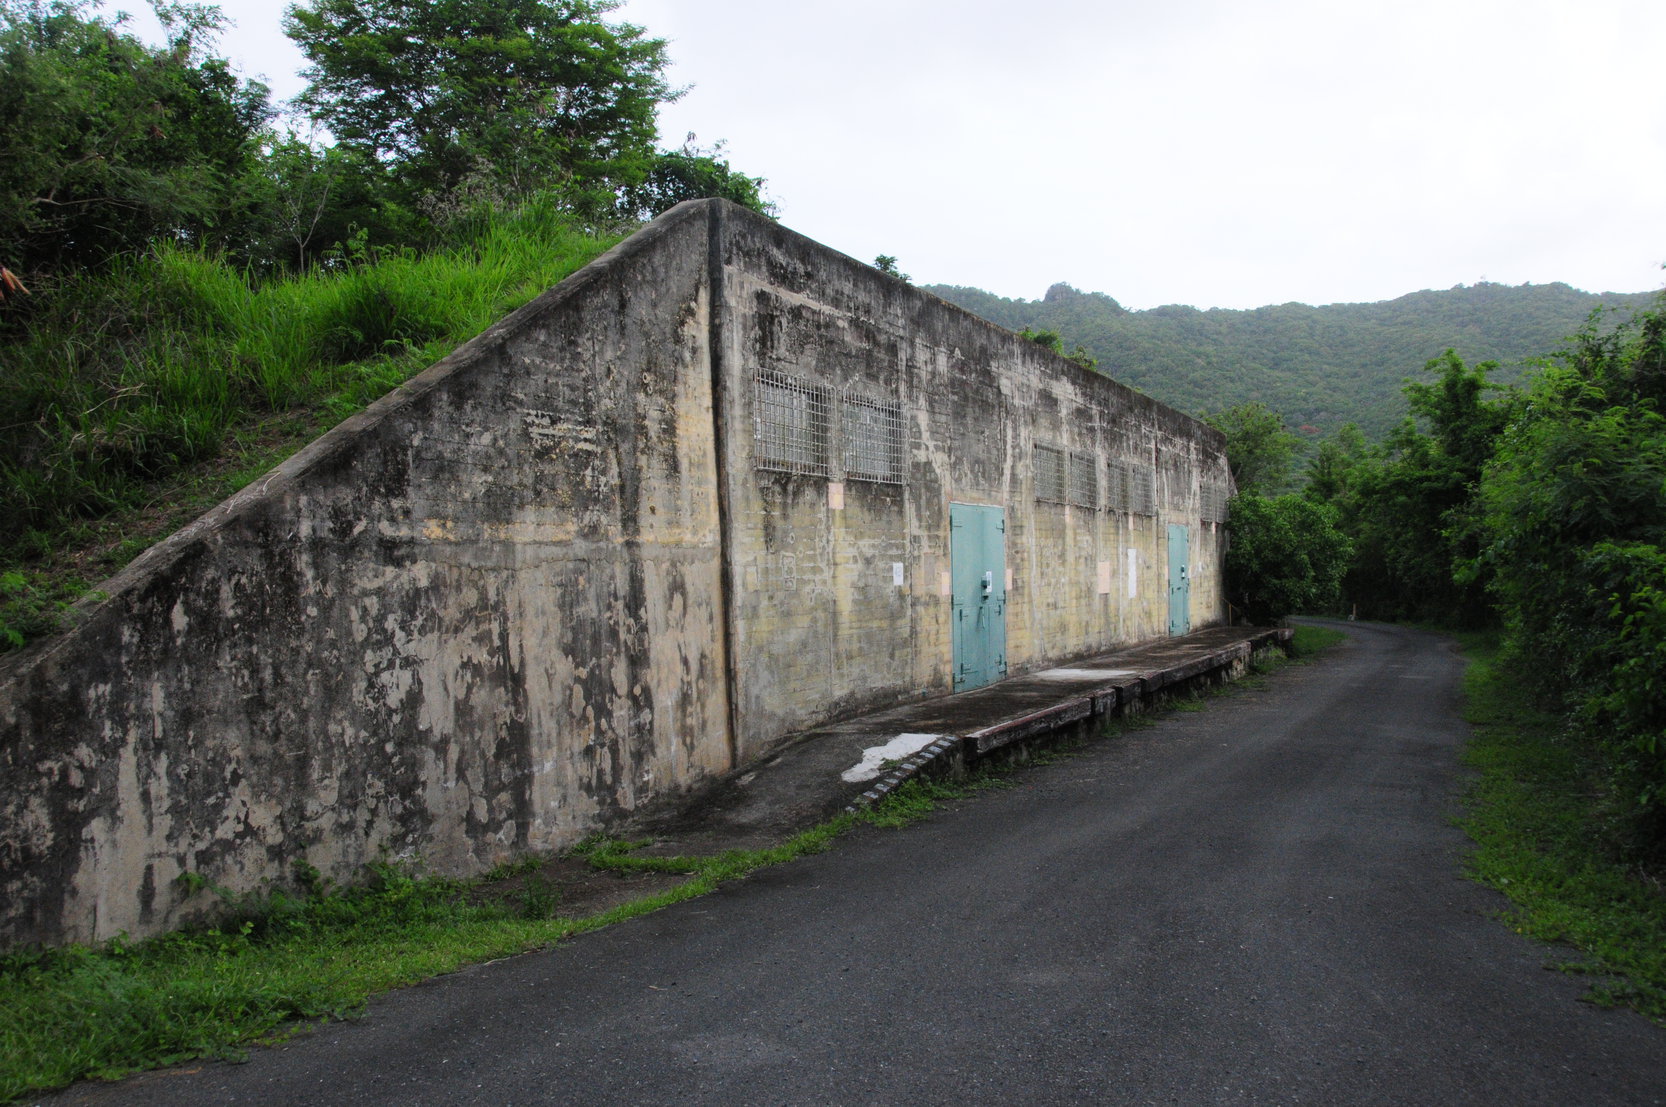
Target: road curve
(1257,902)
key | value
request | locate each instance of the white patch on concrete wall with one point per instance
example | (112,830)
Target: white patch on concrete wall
(552,431)
(896,574)
(1104,578)
(874,757)
(835,495)
(1133,574)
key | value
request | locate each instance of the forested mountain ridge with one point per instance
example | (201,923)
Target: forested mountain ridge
(1320,366)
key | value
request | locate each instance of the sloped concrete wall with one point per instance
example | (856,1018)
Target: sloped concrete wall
(554,577)
(479,618)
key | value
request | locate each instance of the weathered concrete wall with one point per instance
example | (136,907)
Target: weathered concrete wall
(479,618)
(568,569)
(821,624)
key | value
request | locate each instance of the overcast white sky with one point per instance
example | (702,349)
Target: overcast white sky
(1220,153)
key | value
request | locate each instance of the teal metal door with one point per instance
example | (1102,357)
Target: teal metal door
(1180,581)
(978,587)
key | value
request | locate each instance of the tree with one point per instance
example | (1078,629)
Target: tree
(1048,339)
(887,264)
(308,200)
(691,173)
(1259,449)
(536,95)
(109,142)
(1411,506)
(1287,557)
(1330,469)
(1573,526)
(1462,421)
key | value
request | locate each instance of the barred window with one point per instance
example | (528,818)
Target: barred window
(1116,485)
(1133,488)
(873,440)
(1142,490)
(1084,480)
(1049,473)
(790,425)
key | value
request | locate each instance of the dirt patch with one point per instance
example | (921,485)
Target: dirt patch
(753,809)
(104,547)
(571,887)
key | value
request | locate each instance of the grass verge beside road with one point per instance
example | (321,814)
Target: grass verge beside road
(1533,814)
(1310,640)
(278,964)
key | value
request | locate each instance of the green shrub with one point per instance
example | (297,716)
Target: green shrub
(1286,557)
(1572,524)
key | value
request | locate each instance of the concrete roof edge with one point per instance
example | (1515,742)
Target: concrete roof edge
(736,211)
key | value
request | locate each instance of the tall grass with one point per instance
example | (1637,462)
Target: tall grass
(1535,814)
(117,383)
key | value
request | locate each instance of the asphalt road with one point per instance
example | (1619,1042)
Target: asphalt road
(1257,902)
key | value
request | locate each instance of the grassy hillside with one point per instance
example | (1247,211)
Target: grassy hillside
(139,396)
(1321,366)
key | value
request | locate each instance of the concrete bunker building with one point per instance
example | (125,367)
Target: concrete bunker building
(721,485)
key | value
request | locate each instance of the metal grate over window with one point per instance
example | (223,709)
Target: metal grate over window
(790,425)
(1116,485)
(1084,480)
(873,440)
(1049,474)
(1133,488)
(1142,490)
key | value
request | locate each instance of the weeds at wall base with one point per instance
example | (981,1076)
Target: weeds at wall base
(275,965)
